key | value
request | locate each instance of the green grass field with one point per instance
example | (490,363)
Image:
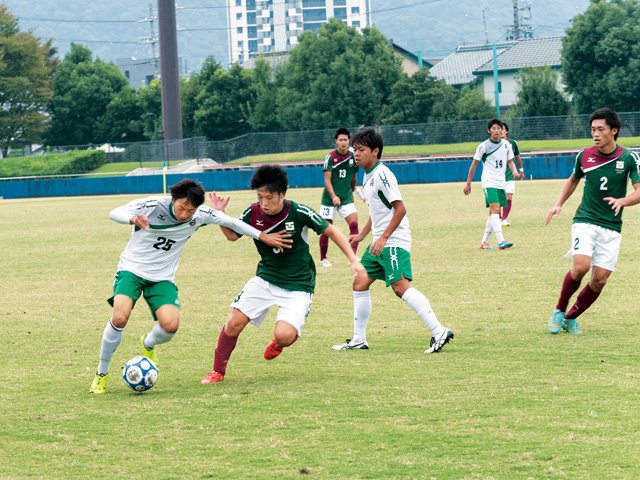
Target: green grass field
(504,400)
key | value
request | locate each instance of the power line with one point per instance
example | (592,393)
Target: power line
(62,20)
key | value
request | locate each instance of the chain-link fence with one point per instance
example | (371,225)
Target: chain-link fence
(530,128)
(171,151)
(198,148)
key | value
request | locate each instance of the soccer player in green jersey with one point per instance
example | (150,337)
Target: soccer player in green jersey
(161,227)
(496,156)
(339,184)
(606,168)
(510,185)
(283,279)
(388,258)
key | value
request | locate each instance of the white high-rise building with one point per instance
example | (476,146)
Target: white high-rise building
(263,27)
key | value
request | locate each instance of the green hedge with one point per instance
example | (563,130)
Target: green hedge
(74,162)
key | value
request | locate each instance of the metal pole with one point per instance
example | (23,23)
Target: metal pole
(496,83)
(169,71)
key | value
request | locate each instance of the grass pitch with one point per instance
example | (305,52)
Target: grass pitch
(504,400)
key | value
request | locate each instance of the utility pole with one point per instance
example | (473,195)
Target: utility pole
(519,30)
(170,74)
(151,40)
(484,21)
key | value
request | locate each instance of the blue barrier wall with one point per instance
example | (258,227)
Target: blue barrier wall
(228,180)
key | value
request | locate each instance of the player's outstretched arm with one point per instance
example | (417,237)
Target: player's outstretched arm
(632,199)
(472,171)
(569,187)
(336,236)
(218,202)
(279,240)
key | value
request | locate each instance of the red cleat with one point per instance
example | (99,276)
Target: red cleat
(272,350)
(212,377)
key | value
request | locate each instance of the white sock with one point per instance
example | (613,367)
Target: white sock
(422,307)
(111,338)
(361,313)
(156,336)
(487,230)
(497,226)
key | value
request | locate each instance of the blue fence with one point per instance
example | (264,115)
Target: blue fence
(228,180)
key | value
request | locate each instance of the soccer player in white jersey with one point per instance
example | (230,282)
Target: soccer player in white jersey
(161,227)
(388,258)
(496,155)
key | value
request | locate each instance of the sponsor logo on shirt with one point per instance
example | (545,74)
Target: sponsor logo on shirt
(591,159)
(160,216)
(260,223)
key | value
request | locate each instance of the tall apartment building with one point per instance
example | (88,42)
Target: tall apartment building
(262,27)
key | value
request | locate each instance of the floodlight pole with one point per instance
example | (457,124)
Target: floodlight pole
(169,73)
(496,83)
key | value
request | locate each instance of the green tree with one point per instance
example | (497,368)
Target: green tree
(218,103)
(263,116)
(336,77)
(82,90)
(601,56)
(26,66)
(473,105)
(123,119)
(420,98)
(537,94)
(150,98)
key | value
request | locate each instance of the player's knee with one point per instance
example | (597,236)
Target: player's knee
(284,334)
(120,319)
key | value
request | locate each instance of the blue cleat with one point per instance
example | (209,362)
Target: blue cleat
(571,326)
(504,245)
(555,322)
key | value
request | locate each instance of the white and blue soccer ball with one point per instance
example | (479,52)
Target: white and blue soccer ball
(140,374)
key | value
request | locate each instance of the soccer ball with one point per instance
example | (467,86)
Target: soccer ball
(140,374)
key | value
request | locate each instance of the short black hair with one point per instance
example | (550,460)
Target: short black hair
(505,126)
(610,117)
(494,121)
(189,189)
(272,177)
(369,138)
(341,131)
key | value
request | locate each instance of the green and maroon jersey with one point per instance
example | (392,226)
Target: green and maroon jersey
(293,269)
(604,176)
(508,176)
(342,168)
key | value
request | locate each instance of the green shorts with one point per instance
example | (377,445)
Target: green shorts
(156,294)
(495,195)
(391,265)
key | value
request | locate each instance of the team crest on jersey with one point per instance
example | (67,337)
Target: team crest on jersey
(289,226)
(192,223)
(619,166)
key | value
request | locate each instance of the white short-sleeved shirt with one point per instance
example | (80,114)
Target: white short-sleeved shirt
(494,158)
(380,188)
(154,253)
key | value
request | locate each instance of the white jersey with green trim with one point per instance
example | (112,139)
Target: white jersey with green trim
(154,253)
(380,188)
(494,157)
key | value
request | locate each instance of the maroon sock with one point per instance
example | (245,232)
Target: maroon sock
(585,299)
(225,347)
(506,210)
(569,287)
(353,230)
(324,246)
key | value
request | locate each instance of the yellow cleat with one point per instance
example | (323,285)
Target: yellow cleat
(99,383)
(150,353)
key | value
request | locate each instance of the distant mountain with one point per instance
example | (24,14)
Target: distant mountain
(112,29)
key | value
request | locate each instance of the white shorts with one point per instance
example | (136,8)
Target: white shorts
(329,212)
(258,296)
(510,187)
(599,243)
